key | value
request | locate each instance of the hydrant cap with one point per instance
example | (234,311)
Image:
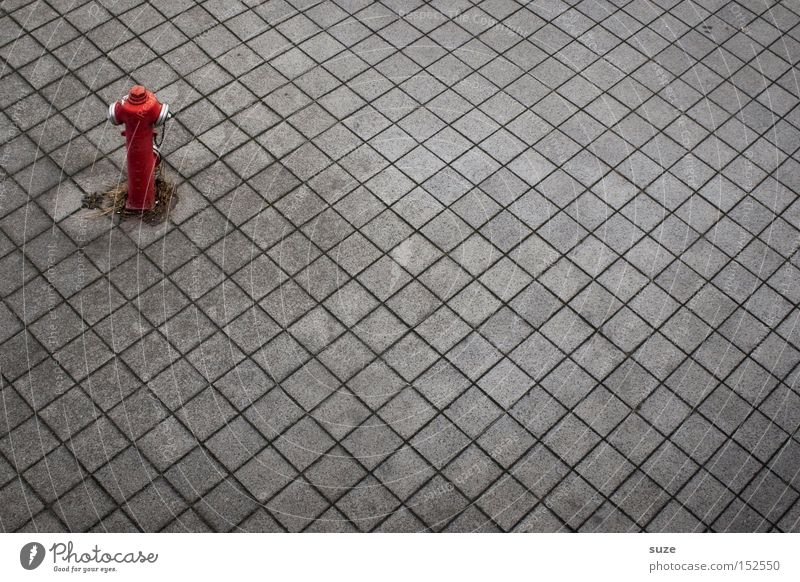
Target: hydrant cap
(137,94)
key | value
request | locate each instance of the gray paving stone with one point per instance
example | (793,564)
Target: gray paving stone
(83,506)
(368,504)
(559,269)
(225,506)
(297,506)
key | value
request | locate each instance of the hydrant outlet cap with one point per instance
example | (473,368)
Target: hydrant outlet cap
(137,94)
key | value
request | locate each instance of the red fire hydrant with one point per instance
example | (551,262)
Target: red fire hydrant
(140,111)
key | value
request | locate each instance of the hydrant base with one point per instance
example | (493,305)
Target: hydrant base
(114,201)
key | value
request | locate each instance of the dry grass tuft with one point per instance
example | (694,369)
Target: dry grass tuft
(112,201)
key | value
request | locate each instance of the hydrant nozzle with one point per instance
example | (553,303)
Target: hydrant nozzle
(140,112)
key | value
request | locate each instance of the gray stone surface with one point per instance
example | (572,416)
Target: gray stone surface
(482,265)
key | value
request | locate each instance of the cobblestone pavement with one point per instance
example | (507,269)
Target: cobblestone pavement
(453,266)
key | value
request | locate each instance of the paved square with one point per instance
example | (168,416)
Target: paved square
(470,265)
